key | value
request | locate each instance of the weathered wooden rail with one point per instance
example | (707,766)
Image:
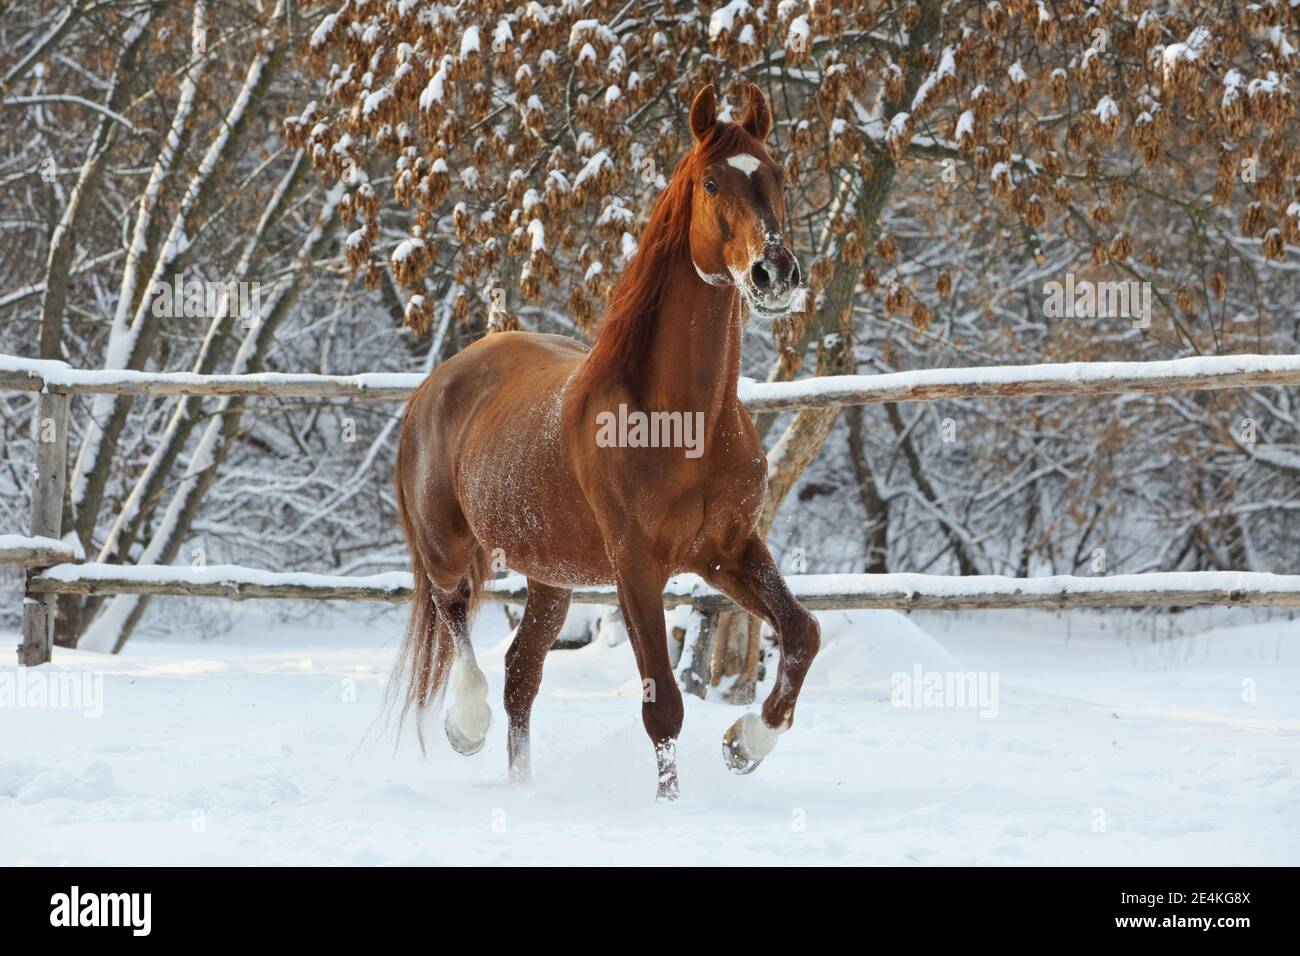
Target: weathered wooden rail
(818,592)
(51,568)
(18,551)
(993,381)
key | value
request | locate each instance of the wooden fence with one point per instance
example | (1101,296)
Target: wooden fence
(818,592)
(52,566)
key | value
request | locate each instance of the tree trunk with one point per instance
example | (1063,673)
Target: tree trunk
(63,244)
(965,562)
(876,508)
(93,465)
(115,625)
(831,328)
(695,663)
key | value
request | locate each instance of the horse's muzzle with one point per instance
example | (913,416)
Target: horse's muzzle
(774,279)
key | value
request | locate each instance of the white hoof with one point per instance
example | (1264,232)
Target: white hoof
(469,716)
(747,742)
(461,742)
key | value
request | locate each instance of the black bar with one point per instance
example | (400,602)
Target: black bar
(383,907)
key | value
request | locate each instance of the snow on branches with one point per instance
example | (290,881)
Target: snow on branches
(467,111)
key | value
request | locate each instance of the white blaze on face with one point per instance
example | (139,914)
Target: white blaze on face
(745,163)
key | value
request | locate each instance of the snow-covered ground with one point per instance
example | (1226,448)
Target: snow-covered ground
(1108,740)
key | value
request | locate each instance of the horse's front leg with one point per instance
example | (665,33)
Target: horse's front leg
(640,594)
(751,578)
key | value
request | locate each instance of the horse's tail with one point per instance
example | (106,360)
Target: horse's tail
(480,569)
(428,648)
(424,659)
(420,669)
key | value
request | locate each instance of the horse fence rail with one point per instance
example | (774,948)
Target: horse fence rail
(818,592)
(991,381)
(52,569)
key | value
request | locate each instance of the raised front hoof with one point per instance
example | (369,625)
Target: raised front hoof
(461,743)
(736,754)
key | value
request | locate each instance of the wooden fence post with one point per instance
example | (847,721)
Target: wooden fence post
(697,652)
(49,477)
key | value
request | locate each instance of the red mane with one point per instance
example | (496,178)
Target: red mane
(626,331)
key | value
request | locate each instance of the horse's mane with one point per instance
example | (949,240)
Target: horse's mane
(625,332)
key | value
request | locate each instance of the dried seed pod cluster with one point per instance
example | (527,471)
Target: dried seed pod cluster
(519,147)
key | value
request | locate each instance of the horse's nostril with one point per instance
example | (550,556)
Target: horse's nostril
(794,273)
(760,276)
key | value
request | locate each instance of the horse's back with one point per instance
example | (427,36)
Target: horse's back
(485,439)
(472,374)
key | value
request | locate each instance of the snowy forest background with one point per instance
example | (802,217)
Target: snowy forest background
(377,167)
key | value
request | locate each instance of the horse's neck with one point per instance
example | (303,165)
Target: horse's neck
(694,357)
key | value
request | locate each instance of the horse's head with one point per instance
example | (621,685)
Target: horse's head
(738,223)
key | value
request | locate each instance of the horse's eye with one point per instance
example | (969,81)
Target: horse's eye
(710,186)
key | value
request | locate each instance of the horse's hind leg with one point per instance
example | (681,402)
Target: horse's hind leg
(544,615)
(468,714)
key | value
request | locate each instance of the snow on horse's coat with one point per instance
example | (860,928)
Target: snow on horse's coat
(500,456)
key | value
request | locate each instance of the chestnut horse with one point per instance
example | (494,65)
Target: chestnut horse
(502,449)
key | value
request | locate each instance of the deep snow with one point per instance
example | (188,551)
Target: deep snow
(1109,745)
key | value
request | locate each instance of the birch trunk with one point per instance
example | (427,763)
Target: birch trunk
(110,631)
(63,243)
(107,415)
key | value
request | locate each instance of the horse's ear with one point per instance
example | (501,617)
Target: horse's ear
(757,121)
(704,112)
